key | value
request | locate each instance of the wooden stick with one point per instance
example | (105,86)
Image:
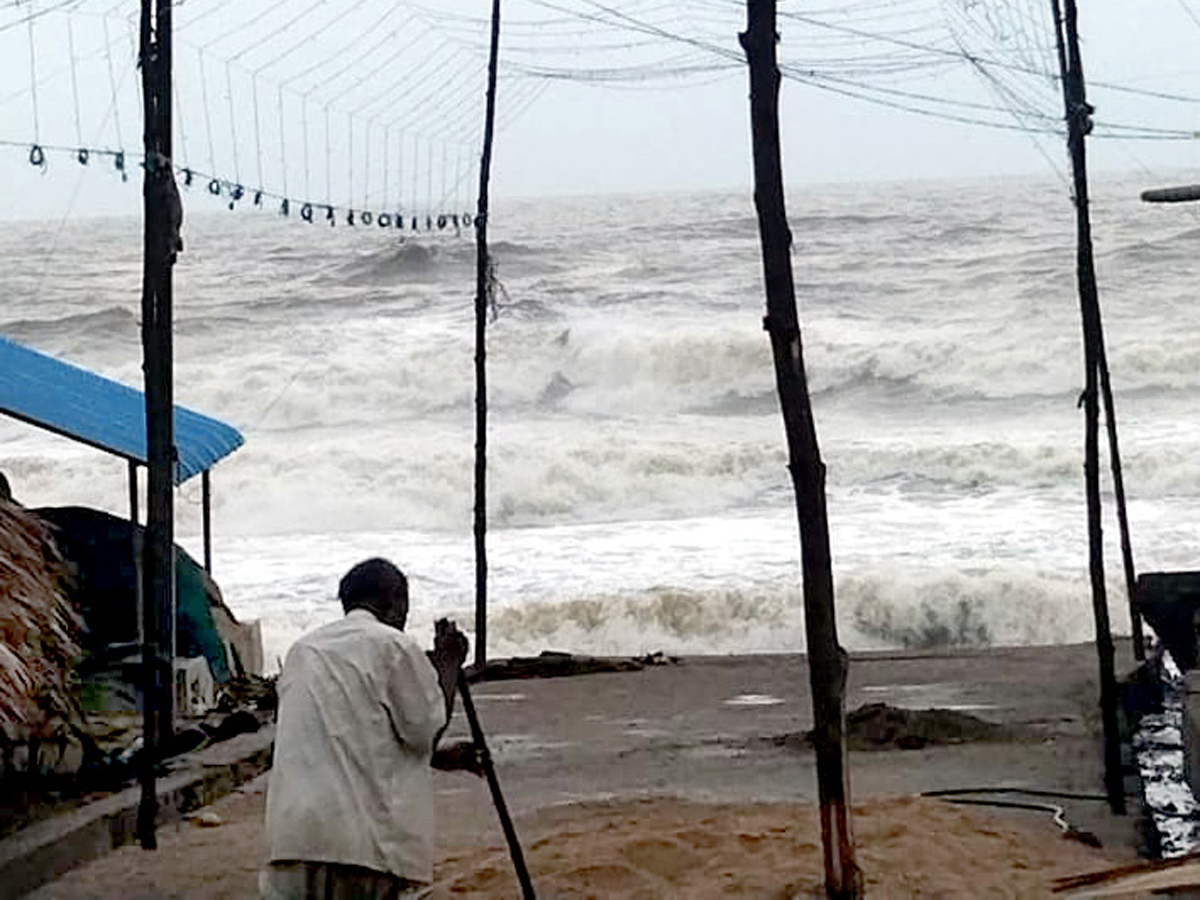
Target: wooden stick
(206,518)
(483,291)
(827,662)
(162,213)
(1078,115)
(489,771)
(1114,454)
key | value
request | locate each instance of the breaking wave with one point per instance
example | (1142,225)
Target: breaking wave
(107,322)
(397,264)
(915,611)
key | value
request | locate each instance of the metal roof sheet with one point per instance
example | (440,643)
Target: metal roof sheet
(95,410)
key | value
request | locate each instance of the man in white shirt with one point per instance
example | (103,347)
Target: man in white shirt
(361,708)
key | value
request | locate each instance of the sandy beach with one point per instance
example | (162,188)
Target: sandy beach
(689,780)
(646,848)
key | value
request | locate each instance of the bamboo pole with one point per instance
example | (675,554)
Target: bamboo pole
(135,551)
(483,291)
(162,216)
(1078,116)
(489,771)
(827,662)
(1114,454)
(206,518)
(133,493)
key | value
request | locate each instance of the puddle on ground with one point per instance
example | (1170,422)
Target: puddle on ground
(646,728)
(932,695)
(754,700)
(513,747)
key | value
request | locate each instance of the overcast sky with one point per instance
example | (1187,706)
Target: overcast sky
(660,133)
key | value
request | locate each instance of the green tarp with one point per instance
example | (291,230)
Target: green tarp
(99,548)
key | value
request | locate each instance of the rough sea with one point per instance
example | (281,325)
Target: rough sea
(639,499)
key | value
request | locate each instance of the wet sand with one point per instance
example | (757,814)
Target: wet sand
(680,781)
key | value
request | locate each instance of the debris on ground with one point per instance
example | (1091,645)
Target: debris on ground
(554,664)
(878,726)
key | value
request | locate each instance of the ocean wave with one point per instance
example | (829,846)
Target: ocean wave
(111,321)
(854,221)
(513,250)
(971,232)
(528,309)
(670,619)
(1152,251)
(374,368)
(217,326)
(978,465)
(409,260)
(630,380)
(399,262)
(294,481)
(345,474)
(736,403)
(1168,361)
(712,227)
(950,365)
(959,365)
(926,609)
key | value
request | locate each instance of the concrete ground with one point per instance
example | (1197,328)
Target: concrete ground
(702,729)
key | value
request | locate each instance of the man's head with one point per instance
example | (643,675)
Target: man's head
(378,586)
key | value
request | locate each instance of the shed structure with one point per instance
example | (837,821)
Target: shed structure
(87,407)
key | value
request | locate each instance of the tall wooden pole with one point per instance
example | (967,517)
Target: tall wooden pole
(827,662)
(135,550)
(133,494)
(161,242)
(489,771)
(1114,455)
(206,518)
(1079,123)
(483,291)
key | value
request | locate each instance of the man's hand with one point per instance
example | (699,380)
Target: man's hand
(448,654)
(449,647)
(461,756)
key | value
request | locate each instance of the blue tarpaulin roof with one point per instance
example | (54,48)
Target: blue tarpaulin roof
(95,410)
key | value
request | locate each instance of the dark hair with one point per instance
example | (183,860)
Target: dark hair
(372,584)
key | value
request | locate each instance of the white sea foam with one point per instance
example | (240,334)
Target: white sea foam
(638,490)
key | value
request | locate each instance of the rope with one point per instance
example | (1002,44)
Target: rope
(304,125)
(328,159)
(180,119)
(367,169)
(257,134)
(112,82)
(33,81)
(283,167)
(233,139)
(74,82)
(387,155)
(212,157)
(401,71)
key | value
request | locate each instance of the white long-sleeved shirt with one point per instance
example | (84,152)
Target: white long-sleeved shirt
(359,709)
